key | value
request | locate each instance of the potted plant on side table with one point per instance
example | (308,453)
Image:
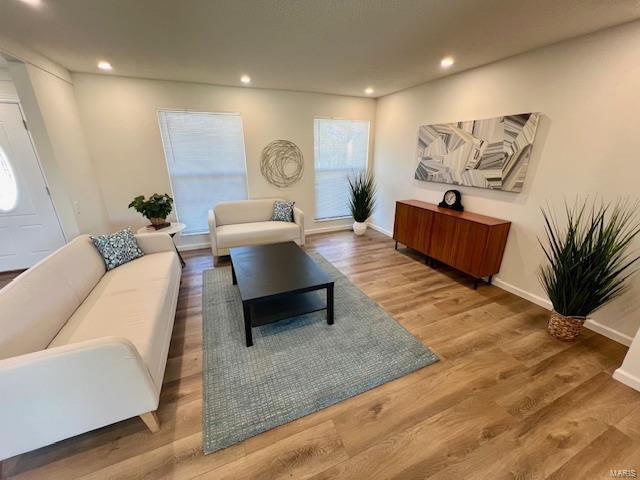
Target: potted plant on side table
(157,208)
(589,261)
(363,191)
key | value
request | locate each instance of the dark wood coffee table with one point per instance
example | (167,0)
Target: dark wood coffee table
(278,281)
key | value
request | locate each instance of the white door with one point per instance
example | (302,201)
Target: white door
(29,227)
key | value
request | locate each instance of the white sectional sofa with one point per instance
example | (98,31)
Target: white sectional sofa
(248,222)
(81,348)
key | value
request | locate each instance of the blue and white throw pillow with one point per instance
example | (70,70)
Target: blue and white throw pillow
(282,211)
(117,248)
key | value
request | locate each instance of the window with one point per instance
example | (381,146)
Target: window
(8,185)
(341,149)
(205,157)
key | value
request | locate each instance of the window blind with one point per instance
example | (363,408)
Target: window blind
(341,149)
(206,162)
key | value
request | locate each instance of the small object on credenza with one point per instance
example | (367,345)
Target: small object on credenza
(451,200)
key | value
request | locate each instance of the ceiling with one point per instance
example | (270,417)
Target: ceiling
(330,46)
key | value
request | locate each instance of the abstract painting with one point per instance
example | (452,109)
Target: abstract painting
(490,153)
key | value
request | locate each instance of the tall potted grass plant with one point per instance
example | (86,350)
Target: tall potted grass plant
(589,260)
(362,201)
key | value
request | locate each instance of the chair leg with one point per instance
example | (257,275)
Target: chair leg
(151,420)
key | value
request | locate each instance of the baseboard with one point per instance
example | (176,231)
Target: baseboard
(626,378)
(311,231)
(592,325)
(608,332)
(538,300)
(384,231)
(193,246)
(332,228)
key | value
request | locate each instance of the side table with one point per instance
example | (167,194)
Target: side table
(171,230)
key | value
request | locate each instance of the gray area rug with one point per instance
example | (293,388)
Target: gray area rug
(296,366)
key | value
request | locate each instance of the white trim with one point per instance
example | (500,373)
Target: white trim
(312,231)
(13,51)
(333,228)
(193,246)
(608,332)
(39,164)
(44,177)
(9,98)
(591,324)
(538,300)
(627,378)
(332,219)
(384,231)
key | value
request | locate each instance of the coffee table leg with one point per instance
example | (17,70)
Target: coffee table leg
(247,323)
(234,280)
(330,304)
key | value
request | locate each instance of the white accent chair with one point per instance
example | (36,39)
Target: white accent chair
(248,222)
(80,347)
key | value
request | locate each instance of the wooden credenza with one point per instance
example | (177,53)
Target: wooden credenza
(468,242)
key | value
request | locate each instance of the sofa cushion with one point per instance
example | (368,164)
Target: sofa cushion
(133,301)
(282,211)
(244,211)
(117,248)
(256,233)
(37,303)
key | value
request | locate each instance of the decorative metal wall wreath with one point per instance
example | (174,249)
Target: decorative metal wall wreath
(282,163)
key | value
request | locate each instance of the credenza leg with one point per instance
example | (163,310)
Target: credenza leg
(396,244)
(475,284)
(490,279)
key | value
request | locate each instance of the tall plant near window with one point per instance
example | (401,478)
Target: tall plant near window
(362,200)
(589,260)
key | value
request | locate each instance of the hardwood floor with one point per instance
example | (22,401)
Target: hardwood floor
(6,277)
(505,401)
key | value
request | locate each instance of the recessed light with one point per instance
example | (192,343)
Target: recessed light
(103,65)
(368,90)
(446,62)
(245,79)
(32,3)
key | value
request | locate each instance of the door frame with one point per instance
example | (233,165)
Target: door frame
(38,162)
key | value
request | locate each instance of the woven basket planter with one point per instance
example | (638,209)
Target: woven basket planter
(564,328)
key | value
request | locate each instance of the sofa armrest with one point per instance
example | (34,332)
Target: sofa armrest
(298,218)
(63,391)
(213,237)
(155,242)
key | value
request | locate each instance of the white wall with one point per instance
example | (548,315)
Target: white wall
(588,90)
(7,89)
(49,105)
(119,116)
